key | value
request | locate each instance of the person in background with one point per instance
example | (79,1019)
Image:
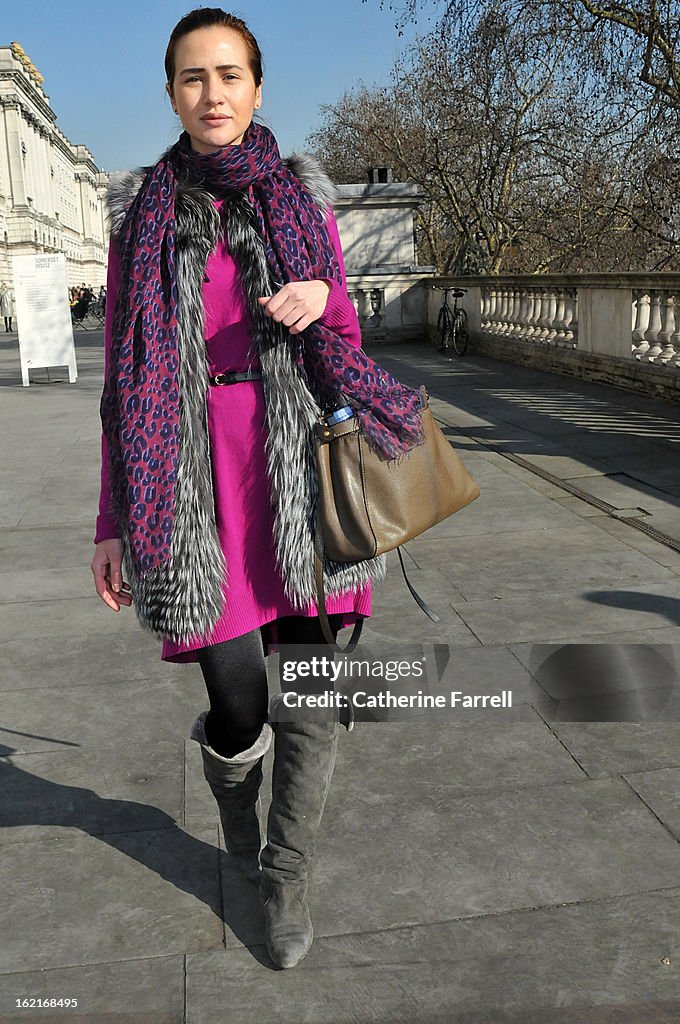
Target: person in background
(7,304)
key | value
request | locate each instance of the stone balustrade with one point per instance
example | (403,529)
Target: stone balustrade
(391,303)
(613,327)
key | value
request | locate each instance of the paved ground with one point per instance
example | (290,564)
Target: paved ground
(519,866)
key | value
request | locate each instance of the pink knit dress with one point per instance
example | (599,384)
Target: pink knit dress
(254,595)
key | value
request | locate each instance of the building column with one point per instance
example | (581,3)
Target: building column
(13,129)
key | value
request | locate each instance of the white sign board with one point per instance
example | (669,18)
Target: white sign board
(43,313)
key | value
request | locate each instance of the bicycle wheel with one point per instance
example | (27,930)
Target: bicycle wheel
(444,328)
(460,333)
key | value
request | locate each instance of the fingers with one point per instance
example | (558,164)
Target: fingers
(297,305)
(107,579)
(101,584)
(302,324)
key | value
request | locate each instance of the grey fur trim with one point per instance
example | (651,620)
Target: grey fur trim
(122,189)
(311,174)
(183,598)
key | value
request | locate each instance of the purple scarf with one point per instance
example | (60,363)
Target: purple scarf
(140,402)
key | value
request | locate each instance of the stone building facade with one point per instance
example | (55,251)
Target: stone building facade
(51,191)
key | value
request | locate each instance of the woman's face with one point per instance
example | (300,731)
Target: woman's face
(214,92)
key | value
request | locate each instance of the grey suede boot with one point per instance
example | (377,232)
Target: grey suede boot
(235,783)
(304,759)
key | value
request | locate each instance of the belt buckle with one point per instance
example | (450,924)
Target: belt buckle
(221,375)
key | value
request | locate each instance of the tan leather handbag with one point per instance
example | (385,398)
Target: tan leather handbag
(368,506)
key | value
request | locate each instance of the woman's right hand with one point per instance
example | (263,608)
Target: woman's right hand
(107,571)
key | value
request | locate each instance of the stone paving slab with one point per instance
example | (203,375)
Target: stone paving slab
(641,542)
(140,711)
(149,990)
(586,511)
(620,443)
(441,753)
(550,560)
(623,491)
(97,657)
(605,749)
(659,790)
(547,617)
(47,547)
(59,618)
(85,899)
(531,480)
(137,787)
(484,853)
(553,965)
(660,635)
(59,583)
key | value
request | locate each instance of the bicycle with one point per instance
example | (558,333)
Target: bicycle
(452,324)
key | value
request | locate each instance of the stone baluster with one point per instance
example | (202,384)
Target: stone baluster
(372,302)
(490,299)
(569,318)
(542,324)
(524,313)
(560,336)
(494,310)
(505,310)
(516,327)
(528,325)
(485,308)
(664,338)
(551,317)
(642,313)
(575,317)
(534,325)
(675,336)
(501,324)
(654,329)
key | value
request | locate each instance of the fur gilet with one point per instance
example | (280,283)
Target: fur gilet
(184,598)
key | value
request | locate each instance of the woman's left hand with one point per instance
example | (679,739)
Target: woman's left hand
(297,304)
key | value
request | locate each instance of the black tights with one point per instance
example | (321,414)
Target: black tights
(236,679)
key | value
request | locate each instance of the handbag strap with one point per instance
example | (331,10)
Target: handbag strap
(321,596)
(423,604)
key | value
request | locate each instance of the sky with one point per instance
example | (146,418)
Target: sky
(103,64)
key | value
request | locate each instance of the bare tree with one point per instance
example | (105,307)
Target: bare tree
(534,153)
(527,163)
(649,30)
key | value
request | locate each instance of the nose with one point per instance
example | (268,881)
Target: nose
(212,91)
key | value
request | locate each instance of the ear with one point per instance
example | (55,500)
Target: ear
(258,96)
(169,92)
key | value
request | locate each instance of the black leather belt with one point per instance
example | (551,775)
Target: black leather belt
(234,376)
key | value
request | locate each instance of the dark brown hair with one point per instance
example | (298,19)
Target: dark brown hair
(206,17)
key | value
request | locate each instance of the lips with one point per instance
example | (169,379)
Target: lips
(214,120)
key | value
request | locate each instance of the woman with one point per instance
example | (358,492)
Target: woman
(229,329)
(7,305)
